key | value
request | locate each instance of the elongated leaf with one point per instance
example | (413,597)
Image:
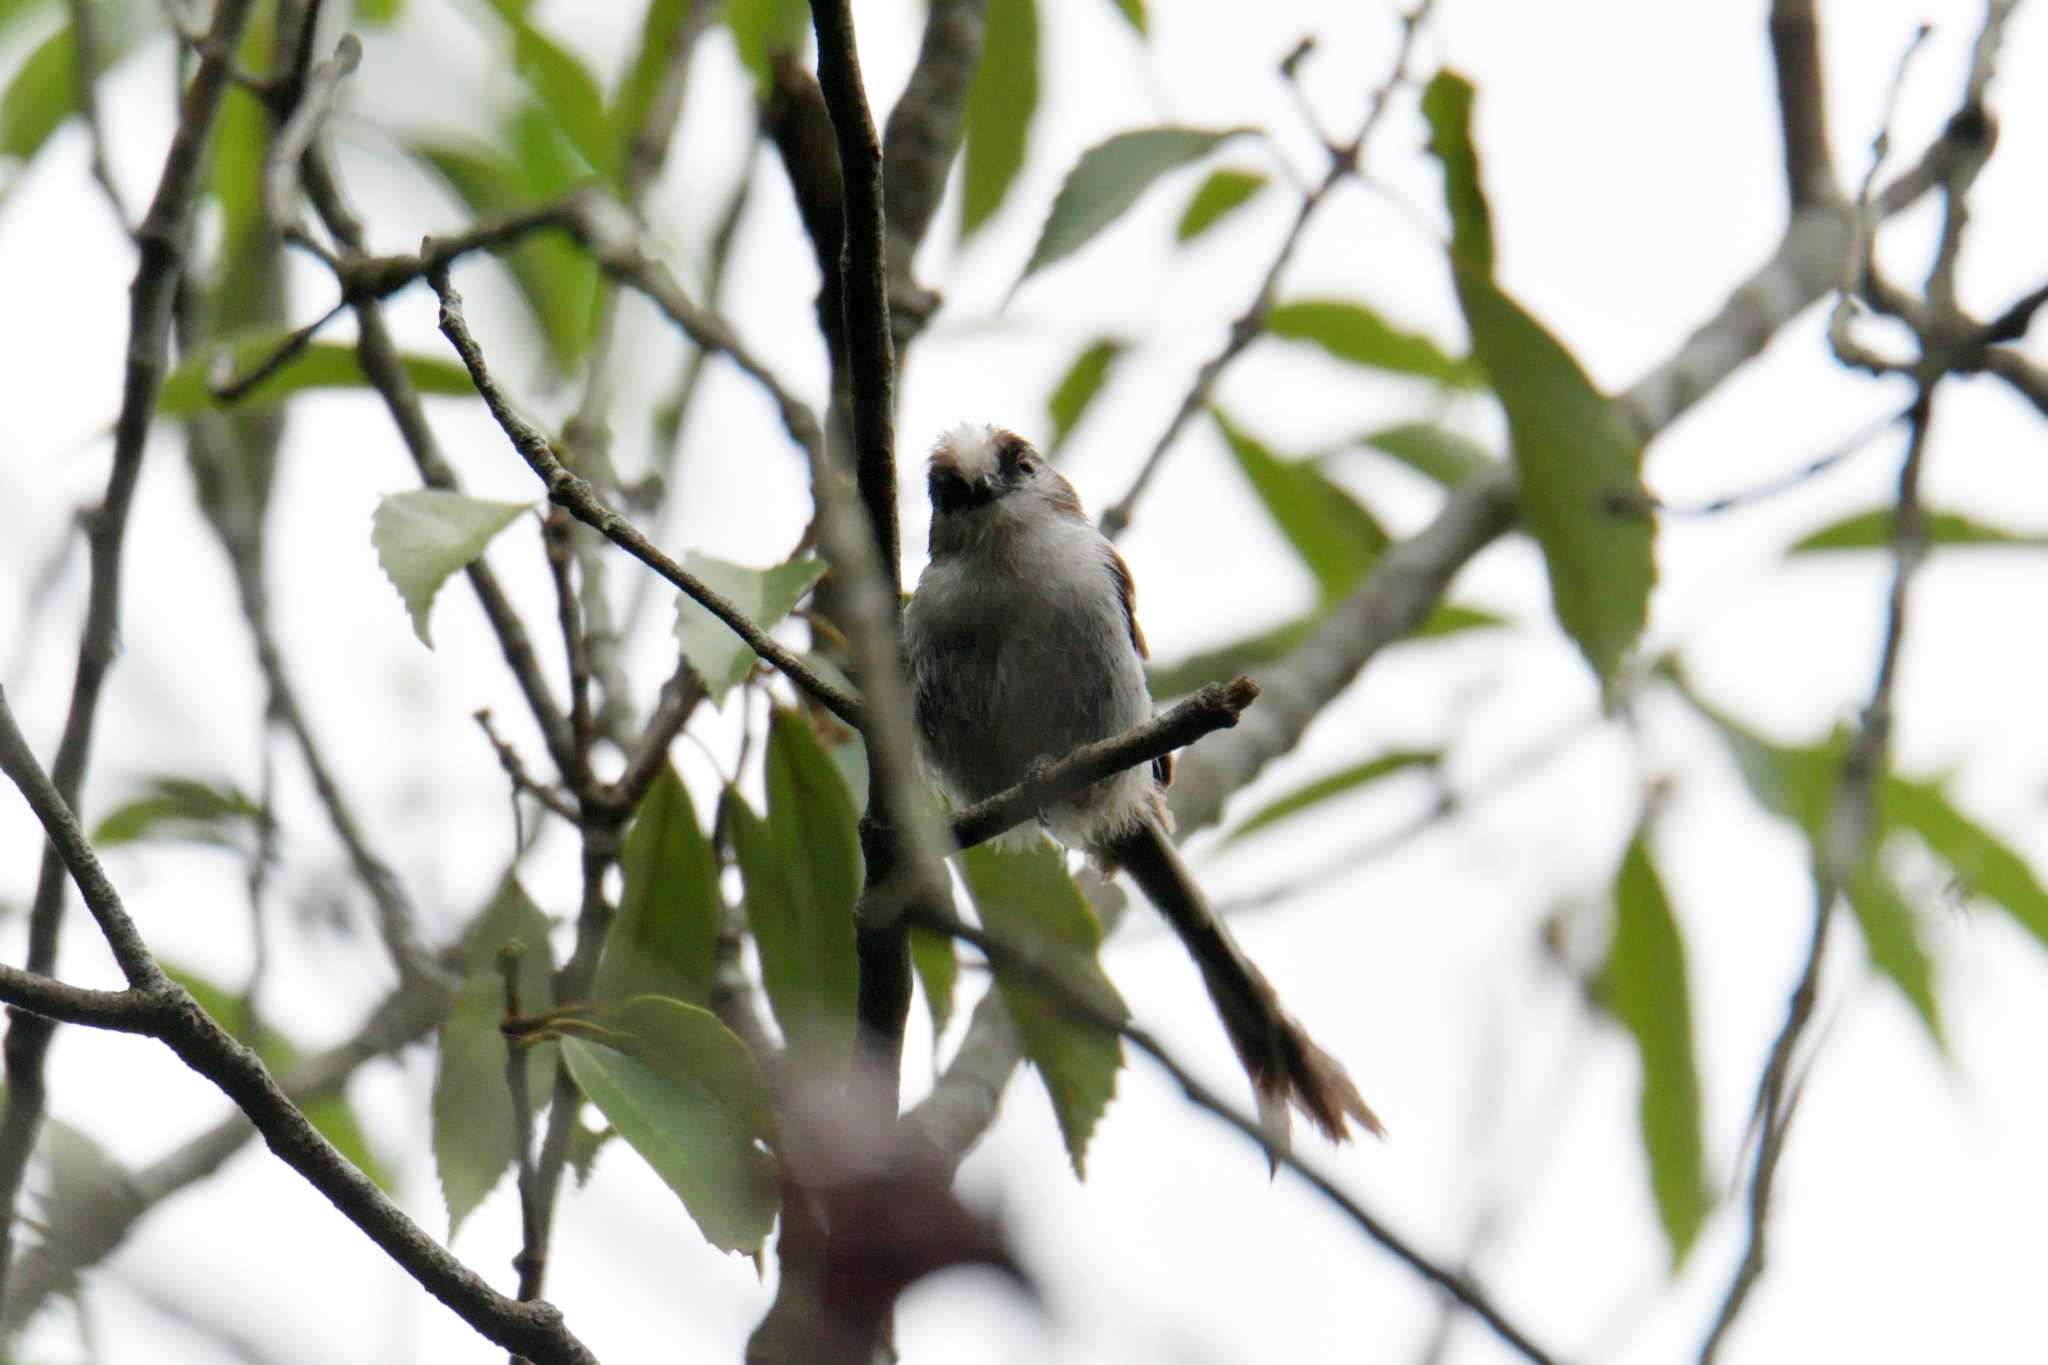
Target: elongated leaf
(1986,865)
(1872,530)
(1795,782)
(40,97)
(1028,898)
(565,89)
(1436,454)
(1079,386)
(1336,537)
(664,940)
(642,76)
(1335,785)
(1893,941)
(802,869)
(1108,180)
(1133,12)
(938,971)
(424,535)
(1581,493)
(1353,333)
(473,1136)
(762,27)
(763,596)
(319,365)
(1179,678)
(181,810)
(689,1097)
(1222,194)
(1000,106)
(1645,986)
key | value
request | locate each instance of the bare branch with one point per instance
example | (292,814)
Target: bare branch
(1802,105)
(280,168)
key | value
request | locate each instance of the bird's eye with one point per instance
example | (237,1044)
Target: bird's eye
(1017,458)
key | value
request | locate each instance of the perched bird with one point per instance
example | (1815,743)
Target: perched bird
(1023,645)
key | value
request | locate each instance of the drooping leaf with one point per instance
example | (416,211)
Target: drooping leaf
(1000,107)
(1582,496)
(1645,985)
(1028,898)
(1984,864)
(181,810)
(686,1094)
(564,87)
(474,1141)
(664,940)
(1216,198)
(425,534)
(1439,455)
(802,870)
(1079,386)
(1133,12)
(641,79)
(1872,530)
(1893,940)
(317,365)
(763,596)
(40,97)
(1336,537)
(1353,333)
(762,27)
(1794,782)
(1335,785)
(938,971)
(1109,178)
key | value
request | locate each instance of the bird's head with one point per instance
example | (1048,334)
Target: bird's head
(976,467)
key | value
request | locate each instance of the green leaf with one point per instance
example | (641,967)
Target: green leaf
(1354,333)
(318,365)
(379,13)
(1108,180)
(180,810)
(1079,386)
(1795,783)
(1447,104)
(1334,785)
(802,869)
(762,27)
(664,940)
(565,89)
(424,535)
(1442,456)
(1000,107)
(642,77)
(1336,537)
(1645,986)
(74,1167)
(1893,941)
(1582,496)
(40,97)
(1222,194)
(473,1138)
(1133,12)
(763,596)
(690,1098)
(1872,530)
(1184,676)
(1028,898)
(938,971)
(1985,864)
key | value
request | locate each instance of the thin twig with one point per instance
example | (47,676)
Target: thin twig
(522,781)
(529,1264)
(280,168)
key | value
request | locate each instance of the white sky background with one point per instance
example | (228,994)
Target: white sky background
(1631,155)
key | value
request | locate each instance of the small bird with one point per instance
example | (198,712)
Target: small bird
(1023,644)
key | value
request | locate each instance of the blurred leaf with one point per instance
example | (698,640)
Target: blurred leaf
(1222,194)
(1893,941)
(40,97)
(802,868)
(473,1138)
(760,27)
(1028,898)
(75,1167)
(1645,985)
(1181,677)
(13,12)
(1447,105)
(1079,386)
(763,596)
(585,1143)
(318,365)
(1986,864)
(1000,106)
(1354,333)
(565,89)
(1872,530)
(557,280)
(1336,537)
(379,13)
(1581,494)
(1795,783)
(688,1096)
(1334,785)
(234,177)
(664,940)
(1442,456)
(642,77)
(938,971)
(1133,12)
(1108,179)
(180,810)
(425,534)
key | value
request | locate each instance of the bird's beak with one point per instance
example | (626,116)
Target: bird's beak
(952,493)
